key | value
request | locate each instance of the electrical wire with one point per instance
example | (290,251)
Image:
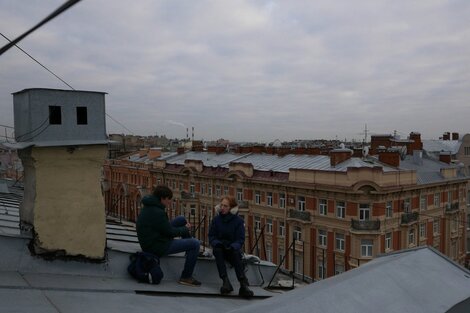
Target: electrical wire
(32,131)
(29,55)
(57,12)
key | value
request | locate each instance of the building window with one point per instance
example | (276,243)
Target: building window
(364,212)
(340,209)
(422,202)
(406,205)
(388,241)
(322,237)
(269,199)
(411,236)
(282,200)
(322,206)
(467,150)
(192,210)
(339,268)
(203,189)
(366,247)
(225,190)
(269,226)
(321,269)
(422,230)
(339,240)
(389,209)
(209,190)
(436,227)
(55,115)
(301,203)
(297,234)
(181,185)
(281,255)
(191,188)
(449,197)
(269,253)
(281,229)
(298,266)
(257,223)
(217,190)
(82,117)
(257,197)
(239,194)
(437,200)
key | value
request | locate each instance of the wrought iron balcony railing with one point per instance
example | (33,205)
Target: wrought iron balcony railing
(300,215)
(365,225)
(410,217)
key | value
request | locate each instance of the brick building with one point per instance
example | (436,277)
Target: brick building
(341,210)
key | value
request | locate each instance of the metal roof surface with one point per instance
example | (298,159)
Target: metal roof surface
(419,280)
(434,146)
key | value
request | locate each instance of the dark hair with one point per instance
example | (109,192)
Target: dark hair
(163,191)
(231,201)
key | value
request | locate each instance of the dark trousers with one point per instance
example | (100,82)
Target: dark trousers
(234,257)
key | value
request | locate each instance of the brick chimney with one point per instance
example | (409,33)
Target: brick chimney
(339,155)
(154,153)
(417,144)
(180,150)
(391,157)
(445,157)
(258,149)
(455,136)
(379,140)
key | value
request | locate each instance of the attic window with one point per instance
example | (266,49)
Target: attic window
(82,117)
(55,115)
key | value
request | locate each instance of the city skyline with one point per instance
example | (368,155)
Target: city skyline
(251,70)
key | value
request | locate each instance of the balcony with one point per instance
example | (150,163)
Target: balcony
(451,208)
(410,217)
(365,225)
(242,204)
(299,215)
(188,196)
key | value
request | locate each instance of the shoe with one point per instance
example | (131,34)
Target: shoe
(226,286)
(244,291)
(190,281)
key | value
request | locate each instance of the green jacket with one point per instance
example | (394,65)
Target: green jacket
(154,229)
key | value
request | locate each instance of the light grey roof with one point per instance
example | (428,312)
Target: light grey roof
(420,280)
(58,143)
(31,284)
(436,146)
(268,162)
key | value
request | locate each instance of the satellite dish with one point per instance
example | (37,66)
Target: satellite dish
(365,151)
(342,146)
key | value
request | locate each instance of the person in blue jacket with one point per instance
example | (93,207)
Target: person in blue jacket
(227,236)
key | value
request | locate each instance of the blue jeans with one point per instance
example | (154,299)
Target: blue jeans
(188,244)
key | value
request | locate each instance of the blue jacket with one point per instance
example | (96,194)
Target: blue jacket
(228,230)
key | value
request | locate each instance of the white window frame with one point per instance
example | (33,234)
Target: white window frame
(339,268)
(364,212)
(282,200)
(209,190)
(269,199)
(322,238)
(423,202)
(269,226)
(217,191)
(339,242)
(257,197)
(225,190)
(367,246)
(411,236)
(269,253)
(437,200)
(257,223)
(282,229)
(239,194)
(301,203)
(422,230)
(203,189)
(436,227)
(321,269)
(341,209)
(389,209)
(297,233)
(388,241)
(323,206)
(191,188)
(407,205)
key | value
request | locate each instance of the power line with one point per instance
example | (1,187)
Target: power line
(29,55)
(119,123)
(57,12)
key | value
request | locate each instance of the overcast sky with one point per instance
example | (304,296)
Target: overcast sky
(251,70)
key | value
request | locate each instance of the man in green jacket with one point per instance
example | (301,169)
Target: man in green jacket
(156,234)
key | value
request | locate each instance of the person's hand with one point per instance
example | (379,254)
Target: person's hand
(188,225)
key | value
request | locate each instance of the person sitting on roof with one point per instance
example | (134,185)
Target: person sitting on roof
(227,236)
(156,234)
